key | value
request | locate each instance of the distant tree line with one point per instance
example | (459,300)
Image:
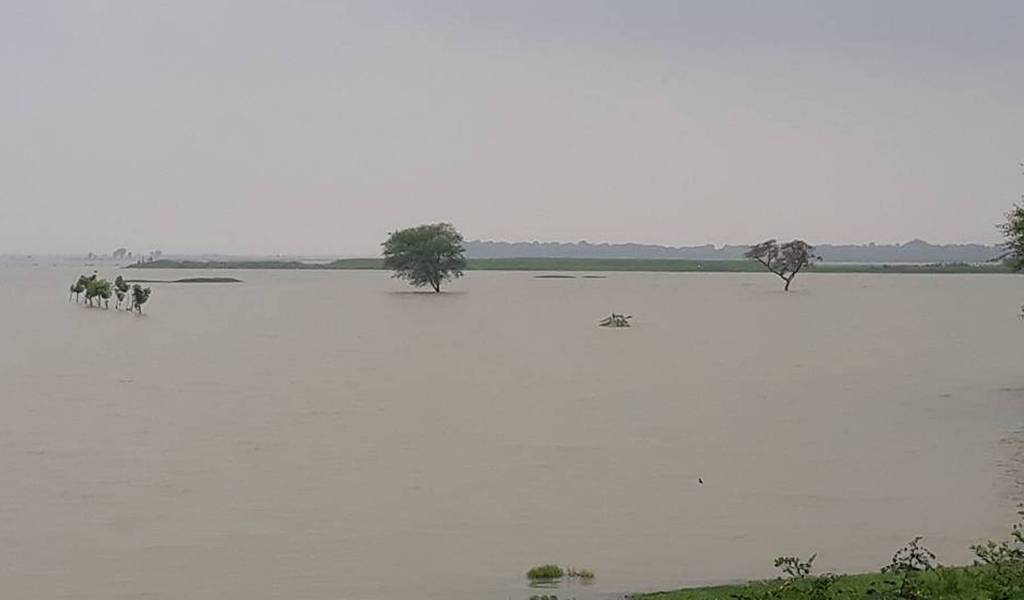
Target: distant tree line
(915,251)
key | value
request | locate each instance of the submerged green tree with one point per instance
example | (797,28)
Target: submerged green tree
(81,286)
(104,290)
(77,288)
(90,291)
(139,297)
(89,287)
(1013,233)
(99,289)
(785,260)
(121,289)
(425,255)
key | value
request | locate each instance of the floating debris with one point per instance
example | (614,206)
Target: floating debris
(616,320)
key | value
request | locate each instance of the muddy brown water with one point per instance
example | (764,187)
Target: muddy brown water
(327,435)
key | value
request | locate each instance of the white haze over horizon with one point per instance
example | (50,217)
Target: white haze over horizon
(315,128)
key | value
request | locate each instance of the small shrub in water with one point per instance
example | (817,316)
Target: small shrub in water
(546,572)
(585,574)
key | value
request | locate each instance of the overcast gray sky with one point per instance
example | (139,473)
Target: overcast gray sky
(316,127)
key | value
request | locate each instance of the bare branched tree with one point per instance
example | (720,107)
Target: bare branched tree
(785,260)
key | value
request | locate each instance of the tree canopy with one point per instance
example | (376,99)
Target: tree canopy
(1013,231)
(98,289)
(139,297)
(102,290)
(425,255)
(785,260)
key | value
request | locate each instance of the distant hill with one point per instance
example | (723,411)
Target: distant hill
(916,251)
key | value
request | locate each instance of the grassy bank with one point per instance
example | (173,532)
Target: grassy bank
(912,574)
(580,264)
(944,583)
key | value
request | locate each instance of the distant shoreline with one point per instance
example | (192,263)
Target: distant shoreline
(585,264)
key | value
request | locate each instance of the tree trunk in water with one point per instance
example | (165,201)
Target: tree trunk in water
(437,286)
(788,281)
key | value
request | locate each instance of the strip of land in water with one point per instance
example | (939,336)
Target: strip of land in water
(188,280)
(583,264)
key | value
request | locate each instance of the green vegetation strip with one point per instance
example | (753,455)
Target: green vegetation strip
(912,574)
(582,264)
(943,583)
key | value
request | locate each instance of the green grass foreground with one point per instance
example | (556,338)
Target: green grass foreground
(581,264)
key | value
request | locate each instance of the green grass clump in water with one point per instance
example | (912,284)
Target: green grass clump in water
(585,574)
(545,572)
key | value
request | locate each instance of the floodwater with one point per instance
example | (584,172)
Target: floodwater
(329,435)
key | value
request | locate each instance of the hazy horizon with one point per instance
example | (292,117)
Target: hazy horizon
(315,129)
(144,252)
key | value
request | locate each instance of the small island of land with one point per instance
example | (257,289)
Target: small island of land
(188,280)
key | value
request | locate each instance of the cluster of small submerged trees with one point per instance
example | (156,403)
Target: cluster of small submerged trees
(100,291)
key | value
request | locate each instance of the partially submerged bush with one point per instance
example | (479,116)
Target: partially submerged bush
(573,573)
(546,572)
